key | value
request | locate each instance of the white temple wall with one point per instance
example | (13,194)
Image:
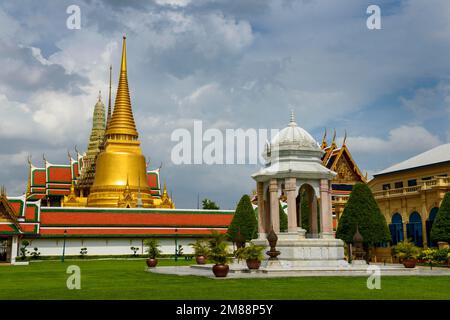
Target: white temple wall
(104,246)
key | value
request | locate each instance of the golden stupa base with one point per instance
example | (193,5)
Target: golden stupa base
(117,197)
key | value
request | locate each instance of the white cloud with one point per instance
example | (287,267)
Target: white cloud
(411,139)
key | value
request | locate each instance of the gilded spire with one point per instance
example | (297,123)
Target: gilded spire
(333,142)
(122,124)
(108,119)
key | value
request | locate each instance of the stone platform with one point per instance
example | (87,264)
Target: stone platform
(359,270)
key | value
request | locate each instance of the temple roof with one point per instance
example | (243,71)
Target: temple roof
(439,154)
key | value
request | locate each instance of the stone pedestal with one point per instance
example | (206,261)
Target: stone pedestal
(297,252)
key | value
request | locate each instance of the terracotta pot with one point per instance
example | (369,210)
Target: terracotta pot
(151,263)
(253,264)
(220,270)
(409,263)
(200,259)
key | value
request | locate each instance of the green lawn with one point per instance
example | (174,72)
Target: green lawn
(126,279)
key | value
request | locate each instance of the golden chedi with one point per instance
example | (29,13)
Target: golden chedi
(121,175)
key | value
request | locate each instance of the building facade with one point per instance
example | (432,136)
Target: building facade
(340,160)
(410,193)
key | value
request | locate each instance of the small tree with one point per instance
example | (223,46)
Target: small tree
(440,231)
(244,220)
(361,209)
(209,205)
(23,249)
(283,219)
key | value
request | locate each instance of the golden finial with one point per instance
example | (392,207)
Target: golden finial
(122,124)
(99,95)
(324,140)
(334,137)
(345,138)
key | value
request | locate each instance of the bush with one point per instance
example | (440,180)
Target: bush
(244,221)
(23,249)
(152,248)
(362,210)
(200,248)
(405,250)
(83,252)
(218,252)
(440,231)
(35,253)
(135,250)
(250,252)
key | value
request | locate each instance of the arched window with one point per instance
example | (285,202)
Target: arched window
(429,225)
(414,229)
(396,228)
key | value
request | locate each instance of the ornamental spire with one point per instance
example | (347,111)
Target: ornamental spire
(122,124)
(108,119)
(292,121)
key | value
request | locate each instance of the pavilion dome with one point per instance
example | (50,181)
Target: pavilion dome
(295,138)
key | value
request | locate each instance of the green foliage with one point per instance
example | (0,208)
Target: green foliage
(362,210)
(135,250)
(283,219)
(251,251)
(218,251)
(180,250)
(305,212)
(35,253)
(244,221)
(200,248)
(441,226)
(405,250)
(23,249)
(152,248)
(83,252)
(209,205)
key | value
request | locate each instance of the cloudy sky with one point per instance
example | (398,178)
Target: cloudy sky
(231,64)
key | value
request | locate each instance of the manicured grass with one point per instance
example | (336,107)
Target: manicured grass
(126,279)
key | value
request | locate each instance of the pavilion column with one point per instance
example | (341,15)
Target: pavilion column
(405,234)
(290,187)
(274,205)
(261,210)
(326,212)
(314,226)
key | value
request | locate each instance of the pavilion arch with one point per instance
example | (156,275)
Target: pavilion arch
(396,228)
(310,219)
(429,224)
(414,229)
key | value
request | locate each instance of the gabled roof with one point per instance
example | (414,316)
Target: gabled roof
(439,154)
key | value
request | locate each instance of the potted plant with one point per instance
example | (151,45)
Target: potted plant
(153,252)
(200,251)
(219,255)
(252,254)
(407,253)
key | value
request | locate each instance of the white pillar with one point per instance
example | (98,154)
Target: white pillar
(313,220)
(274,205)
(326,212)
(14,248)
(261,211)
(290,187)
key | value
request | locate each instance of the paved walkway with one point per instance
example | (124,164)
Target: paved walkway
(239,272)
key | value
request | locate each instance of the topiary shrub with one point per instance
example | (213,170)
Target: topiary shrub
(361,209)
(244,221)
(440,231)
